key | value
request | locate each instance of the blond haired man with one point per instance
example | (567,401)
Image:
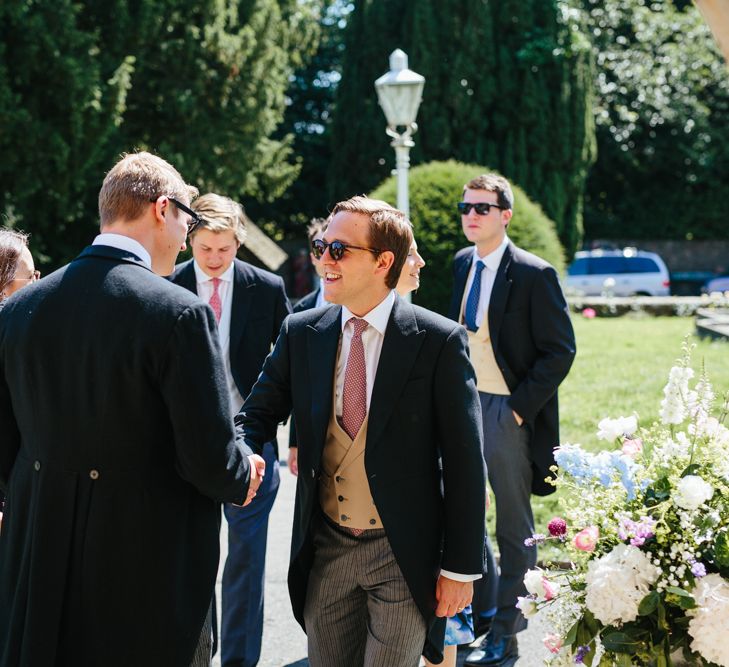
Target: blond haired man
(389,443)
(250,305)
(110,546)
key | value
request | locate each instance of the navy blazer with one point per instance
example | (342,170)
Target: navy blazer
(259,308)
(424,407)
(533,342)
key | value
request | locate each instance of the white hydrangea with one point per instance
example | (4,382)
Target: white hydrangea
(692,492)
(611,429)
(675,394)
(710,619)
(617,582)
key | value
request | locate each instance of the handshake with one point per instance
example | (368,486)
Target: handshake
(258,470)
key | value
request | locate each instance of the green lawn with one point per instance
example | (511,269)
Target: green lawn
(621,367)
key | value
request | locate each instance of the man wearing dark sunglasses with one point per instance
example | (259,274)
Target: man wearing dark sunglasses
(117,445)
(522,346)
(389,452)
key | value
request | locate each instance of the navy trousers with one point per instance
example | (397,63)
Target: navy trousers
(506,450)
(244,572)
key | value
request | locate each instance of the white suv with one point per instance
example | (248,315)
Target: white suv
(627,272)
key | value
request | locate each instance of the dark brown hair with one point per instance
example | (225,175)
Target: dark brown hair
(11,245)
(389,230)
(493,183)
(316,227)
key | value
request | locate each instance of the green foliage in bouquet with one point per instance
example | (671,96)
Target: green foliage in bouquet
(646,526)
(435,188)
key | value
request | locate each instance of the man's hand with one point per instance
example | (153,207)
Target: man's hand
(258,470)
(293,461)
(453,596)
(519,420)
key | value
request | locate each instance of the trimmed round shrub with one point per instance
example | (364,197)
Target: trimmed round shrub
(435,188)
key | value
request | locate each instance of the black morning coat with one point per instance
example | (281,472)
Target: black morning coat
(424,406)
(259,308)
(533,343)
(117,446)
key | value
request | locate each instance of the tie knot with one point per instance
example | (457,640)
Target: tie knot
(480,266)
(359,325)
(216,282)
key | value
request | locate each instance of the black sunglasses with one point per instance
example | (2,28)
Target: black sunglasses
(194,220)
(336,249)
(482,208)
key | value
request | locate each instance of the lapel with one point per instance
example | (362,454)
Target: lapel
(322,346)
(187,278)
(499,296)
(462,268)
(400,348)
(243,288)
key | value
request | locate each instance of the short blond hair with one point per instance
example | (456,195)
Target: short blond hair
(220,214)
(389,230)
(136,181)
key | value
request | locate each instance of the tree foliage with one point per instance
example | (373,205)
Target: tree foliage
(435,188)
(662,114)
(200,82)
(507,84)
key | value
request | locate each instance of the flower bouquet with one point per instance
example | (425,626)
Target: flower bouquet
(646,527)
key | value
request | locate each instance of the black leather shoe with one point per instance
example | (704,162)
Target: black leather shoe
(502,651)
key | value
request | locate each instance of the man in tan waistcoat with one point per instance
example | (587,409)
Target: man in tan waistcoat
(389,453)
(522,346)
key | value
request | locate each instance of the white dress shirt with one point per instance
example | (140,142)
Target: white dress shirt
(320,300)
(127,243)
(488,276)
(372,339)
(225,291)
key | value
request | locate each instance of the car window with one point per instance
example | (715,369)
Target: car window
(641,265)
(609,265)
(578,267)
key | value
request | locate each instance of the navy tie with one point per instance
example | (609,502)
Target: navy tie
(474,296)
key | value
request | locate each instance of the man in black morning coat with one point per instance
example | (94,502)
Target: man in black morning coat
(377,592)
(117,444)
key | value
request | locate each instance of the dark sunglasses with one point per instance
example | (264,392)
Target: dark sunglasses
(194,221)
(336,249)
(482,208)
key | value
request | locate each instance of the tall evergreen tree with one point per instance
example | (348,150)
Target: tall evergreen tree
(200,82)
(508,84)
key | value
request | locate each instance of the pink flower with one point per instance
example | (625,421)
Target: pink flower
(557,527)
(550,589)
(589,313)
(632,447)
(586,539)
(553,643)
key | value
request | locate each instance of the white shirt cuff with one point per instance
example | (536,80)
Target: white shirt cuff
(460,577)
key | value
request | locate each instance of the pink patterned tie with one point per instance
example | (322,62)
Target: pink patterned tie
(354,394)
(214,302)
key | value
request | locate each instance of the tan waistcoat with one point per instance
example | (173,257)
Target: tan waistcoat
(489,378)
(344,492)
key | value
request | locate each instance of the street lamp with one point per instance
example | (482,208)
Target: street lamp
(400,92)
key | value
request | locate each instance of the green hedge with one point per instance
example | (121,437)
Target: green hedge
(435,188)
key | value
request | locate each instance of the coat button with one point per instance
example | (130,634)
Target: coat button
(344,517)
(94,474)
(372,522)
(337,479)
(340,498)
(36,465)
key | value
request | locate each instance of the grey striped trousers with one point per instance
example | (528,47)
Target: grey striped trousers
(204,650)
(359,611)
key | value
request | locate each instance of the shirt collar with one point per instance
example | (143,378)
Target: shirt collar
(203,277)
(378,317)
(493,259)
(127,243)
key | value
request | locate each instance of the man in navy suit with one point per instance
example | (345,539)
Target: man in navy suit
(522,346)
(250,305)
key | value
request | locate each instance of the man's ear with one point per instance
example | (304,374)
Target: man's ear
(506,216)
(160,208)
(385,260)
